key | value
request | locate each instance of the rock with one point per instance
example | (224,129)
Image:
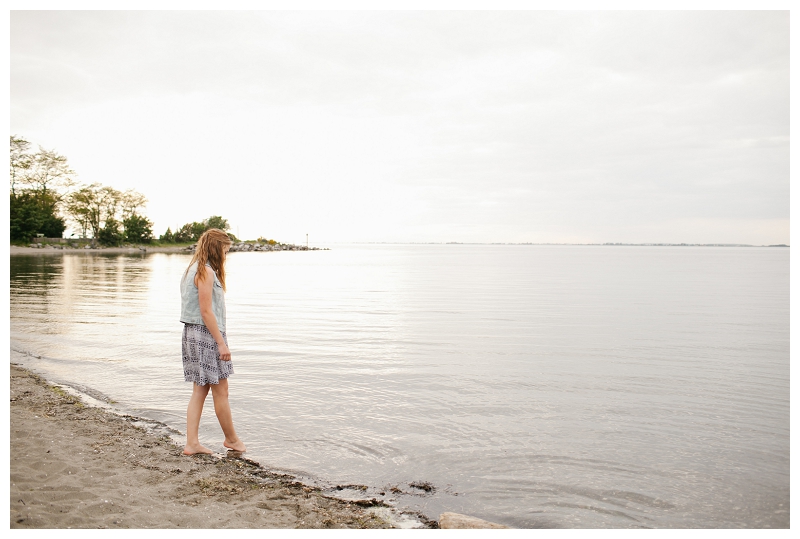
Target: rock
(454,521)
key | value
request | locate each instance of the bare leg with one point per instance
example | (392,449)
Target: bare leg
(223,411)
(193,413)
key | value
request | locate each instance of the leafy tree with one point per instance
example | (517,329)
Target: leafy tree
(50,171)
(80,206)
(216,221)
(167,236)
(138,229)
(34,202)
(110,234)
(30,214)
(21,160)
(52,226)
(130,202)
(191,232)
(24,218)
(43,185)
(93,205)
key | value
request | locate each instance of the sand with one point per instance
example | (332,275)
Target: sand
(77,466)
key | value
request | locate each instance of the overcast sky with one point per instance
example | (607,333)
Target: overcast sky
(422,126)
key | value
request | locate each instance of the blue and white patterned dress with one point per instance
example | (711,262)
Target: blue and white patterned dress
(201,362)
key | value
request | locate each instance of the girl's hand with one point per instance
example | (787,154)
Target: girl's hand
(224,353)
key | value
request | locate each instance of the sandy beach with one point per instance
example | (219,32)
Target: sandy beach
(78,466)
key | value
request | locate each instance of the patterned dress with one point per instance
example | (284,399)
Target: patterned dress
(201,363)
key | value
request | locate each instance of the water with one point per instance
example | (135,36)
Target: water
(536,386)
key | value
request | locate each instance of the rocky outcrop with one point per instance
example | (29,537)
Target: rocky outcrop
(455,521)
(256,246)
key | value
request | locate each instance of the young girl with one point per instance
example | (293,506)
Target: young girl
(206,357)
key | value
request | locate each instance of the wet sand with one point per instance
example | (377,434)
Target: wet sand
(77,466)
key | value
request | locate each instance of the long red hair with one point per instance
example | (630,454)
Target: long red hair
(211,250)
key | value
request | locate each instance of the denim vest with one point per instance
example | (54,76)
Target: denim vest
(190,302)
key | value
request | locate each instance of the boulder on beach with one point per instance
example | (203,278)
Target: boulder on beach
(455,521)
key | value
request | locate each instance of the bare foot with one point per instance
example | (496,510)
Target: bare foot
(238,445)
(196,448)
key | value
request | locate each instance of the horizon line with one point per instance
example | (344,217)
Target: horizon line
(619,244)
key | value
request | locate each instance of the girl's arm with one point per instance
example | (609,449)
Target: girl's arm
(204,290)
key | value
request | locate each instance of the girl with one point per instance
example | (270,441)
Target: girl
(206,357)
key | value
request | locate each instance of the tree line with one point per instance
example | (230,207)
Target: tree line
(45,193)
(191,232)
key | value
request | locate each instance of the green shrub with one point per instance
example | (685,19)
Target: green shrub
(111,235)
(138,229)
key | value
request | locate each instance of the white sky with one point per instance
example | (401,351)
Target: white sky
(420,125)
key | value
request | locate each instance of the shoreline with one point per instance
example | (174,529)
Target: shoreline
(240,247)
(79,466)
(18,250)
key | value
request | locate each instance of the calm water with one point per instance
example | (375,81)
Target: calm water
(537,386)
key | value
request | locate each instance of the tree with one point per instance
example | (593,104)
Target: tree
(216,221)
(110,234)
(24,217)
(79,207)
(21,161)
(43,185)
(52,226)
(130,202)
(138,229)
(192,231)
(34,203)
(49,171)
(29,215)
(167,236)
(93,205)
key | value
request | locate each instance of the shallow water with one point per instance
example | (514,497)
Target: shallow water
(537,386)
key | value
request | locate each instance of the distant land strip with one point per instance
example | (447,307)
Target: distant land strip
(584,244)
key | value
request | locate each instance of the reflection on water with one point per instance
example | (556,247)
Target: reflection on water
(530,385)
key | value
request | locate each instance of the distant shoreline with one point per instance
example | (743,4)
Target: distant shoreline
(238,247)
(17,250)
(555,244)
